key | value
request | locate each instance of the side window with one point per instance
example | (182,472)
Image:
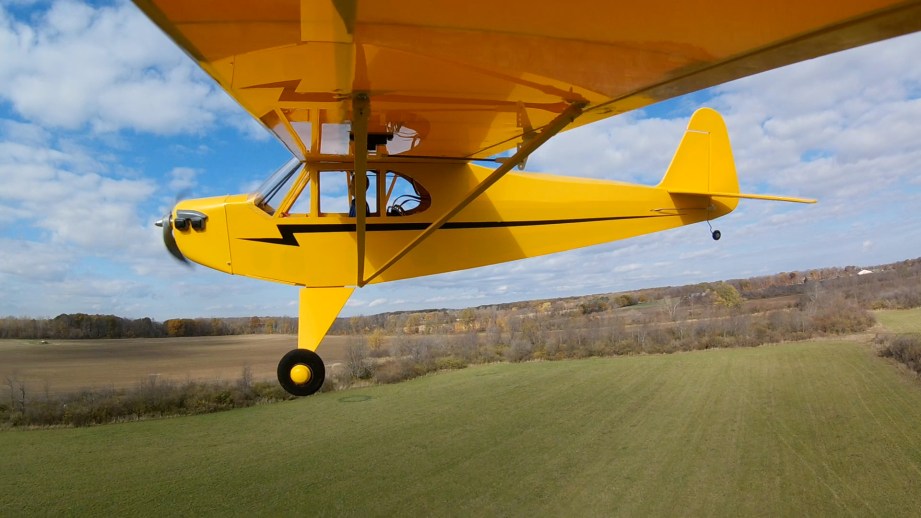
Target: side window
(337,193)
(334,192)
(404,195)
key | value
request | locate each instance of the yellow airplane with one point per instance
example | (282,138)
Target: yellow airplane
(411,94)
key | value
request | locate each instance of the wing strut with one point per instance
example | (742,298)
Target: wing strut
(527,147)
(360,108)
(297,139)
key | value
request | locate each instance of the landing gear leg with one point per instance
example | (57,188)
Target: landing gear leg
(301,371)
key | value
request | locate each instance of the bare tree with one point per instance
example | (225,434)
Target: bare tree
(356,358)
(670,305)
(246,380)
(11,383)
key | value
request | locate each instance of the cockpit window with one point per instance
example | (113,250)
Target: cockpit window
(291,187)
(404,195)
(273,190)
(337,193)
(334,192)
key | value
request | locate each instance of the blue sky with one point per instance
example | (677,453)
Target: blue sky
(103,123)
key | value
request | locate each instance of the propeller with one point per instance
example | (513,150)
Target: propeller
(167,224)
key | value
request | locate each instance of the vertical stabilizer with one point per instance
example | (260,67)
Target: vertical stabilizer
(703,163)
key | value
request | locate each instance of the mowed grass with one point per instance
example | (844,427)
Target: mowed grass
(822,428)
(900,320)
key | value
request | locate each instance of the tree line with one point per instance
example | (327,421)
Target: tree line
(889,286)
(83,326)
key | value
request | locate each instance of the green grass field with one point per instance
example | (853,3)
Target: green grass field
(822,428)
(900,320)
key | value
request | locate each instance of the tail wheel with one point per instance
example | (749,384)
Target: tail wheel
(301,372)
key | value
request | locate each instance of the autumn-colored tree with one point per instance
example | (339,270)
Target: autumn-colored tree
(467,318)
(269,326)
(255,325)
(175,327)
(376,340)
(727,295)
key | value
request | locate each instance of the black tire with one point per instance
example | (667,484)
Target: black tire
(314,365)
(717,235)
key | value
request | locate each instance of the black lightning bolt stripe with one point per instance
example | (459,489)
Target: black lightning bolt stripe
(289,231)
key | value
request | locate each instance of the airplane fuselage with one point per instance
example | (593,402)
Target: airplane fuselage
(522,215)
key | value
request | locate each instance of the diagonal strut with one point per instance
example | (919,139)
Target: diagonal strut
(527,147)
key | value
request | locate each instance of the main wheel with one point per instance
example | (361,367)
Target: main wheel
(301,372)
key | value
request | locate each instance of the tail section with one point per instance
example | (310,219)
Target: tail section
(703,164)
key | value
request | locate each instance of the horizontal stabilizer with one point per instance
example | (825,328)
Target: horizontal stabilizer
(748,196)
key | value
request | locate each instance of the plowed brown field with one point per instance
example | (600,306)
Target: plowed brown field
(67,365)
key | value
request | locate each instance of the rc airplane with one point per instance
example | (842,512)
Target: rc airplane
(390,107)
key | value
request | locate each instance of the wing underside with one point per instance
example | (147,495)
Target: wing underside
(475,78)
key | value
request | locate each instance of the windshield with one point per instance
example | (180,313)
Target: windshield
(273,190)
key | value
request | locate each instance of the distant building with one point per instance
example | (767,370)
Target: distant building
(864,272)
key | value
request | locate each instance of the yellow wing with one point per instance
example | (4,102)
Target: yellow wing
(471,78)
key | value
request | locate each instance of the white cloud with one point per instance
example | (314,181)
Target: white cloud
(34,261)
(831,124)
(624,148)
(106,67)
(25,133)
(50,190)
(183,179)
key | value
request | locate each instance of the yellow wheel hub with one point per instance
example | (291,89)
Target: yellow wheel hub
(300,374)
